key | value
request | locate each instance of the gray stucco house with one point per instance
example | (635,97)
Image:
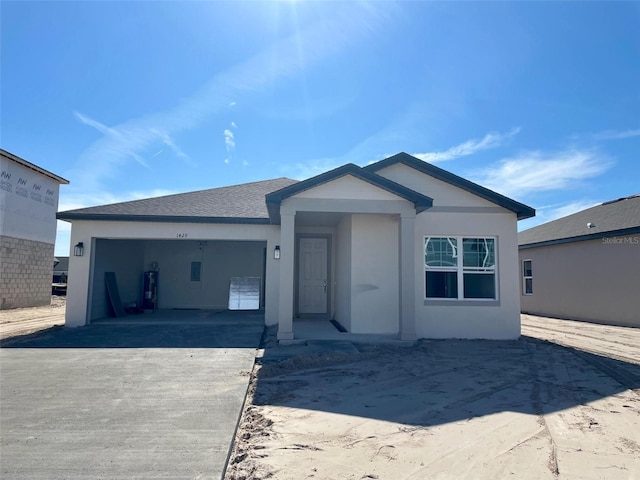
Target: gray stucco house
(585,266)
(60,269)
(399,247)
(28,204)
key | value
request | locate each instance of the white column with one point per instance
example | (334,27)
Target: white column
(272,280)
(407,277)
(80,283)
(287,247)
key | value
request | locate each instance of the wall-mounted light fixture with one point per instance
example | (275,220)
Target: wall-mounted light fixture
(78,250)
(276,252)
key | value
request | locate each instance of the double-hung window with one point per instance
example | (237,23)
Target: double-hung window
(460,268)
(527,278)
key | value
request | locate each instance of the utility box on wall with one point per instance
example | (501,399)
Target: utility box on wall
(150,291)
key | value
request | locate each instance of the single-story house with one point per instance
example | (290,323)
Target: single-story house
(60,275)
(60,269)
(584,266)
(28,204)
(399,247)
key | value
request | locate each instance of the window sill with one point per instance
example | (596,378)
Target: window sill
(462,303)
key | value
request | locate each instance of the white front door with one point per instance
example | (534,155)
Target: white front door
(312,276)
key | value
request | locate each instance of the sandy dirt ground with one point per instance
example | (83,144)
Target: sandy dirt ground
(22,321)
(562,402)
(622,343)
(526,409)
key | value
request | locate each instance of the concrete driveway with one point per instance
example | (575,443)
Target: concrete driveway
(125,401)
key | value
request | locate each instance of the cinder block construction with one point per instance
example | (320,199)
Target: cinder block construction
(28,204)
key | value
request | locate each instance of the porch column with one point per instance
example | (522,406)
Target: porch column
(80,289)
(407,276)
(287,246)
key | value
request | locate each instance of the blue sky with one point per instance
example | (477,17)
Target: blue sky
(537,100)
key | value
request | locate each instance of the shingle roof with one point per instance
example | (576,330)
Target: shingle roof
(257,202)
(61,264)
(617,217)
(520,209)
(243,203)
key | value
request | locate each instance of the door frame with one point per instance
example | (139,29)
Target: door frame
(296,282)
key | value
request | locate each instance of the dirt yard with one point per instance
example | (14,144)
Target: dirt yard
(562,402)
(526,409)
(22,321)
(621,343)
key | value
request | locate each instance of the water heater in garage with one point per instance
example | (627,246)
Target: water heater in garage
(150,291)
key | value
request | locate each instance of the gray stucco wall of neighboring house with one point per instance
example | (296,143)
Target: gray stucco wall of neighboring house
(25,272)
(595,280)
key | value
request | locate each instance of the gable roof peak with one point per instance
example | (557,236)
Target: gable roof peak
(520,209)
(32,166)
(274,199)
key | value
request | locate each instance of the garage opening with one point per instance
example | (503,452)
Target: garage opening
(192,274)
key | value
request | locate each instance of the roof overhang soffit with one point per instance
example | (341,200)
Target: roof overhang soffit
(275,199)
(520,209)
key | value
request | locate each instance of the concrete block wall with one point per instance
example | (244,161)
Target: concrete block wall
(26,269)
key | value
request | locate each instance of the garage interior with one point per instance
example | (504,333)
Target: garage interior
(192,274)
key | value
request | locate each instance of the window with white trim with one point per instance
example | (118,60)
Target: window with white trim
(453,274)
(527,277)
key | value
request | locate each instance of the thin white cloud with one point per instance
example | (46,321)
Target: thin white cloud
(122,143)
(617,134)
(229,143)
(302,171)
(72,201)
(361,153)
(537,171)
(169,142)
(490,140)
(139,137)
(552,212)
(95,124)
(229,140)
(373,148)
(119,141)
(283,59)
